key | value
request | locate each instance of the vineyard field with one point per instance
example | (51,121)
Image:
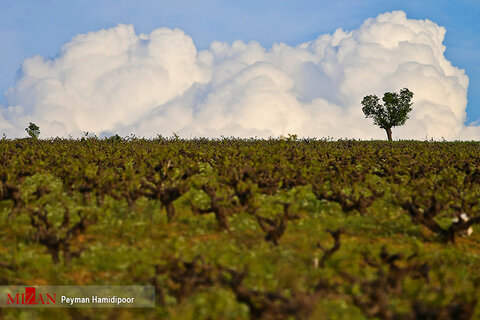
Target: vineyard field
(245,228)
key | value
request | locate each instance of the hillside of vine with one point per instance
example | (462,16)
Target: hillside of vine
(230,228)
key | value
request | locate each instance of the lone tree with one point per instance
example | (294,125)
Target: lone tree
(393,112)
(33,130)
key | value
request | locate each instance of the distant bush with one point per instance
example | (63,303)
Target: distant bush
(33,130)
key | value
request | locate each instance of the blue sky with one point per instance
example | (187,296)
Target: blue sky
(30,27)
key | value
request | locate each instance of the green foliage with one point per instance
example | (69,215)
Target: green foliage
(33,130)
(392,113)
(255,219)
(115,138)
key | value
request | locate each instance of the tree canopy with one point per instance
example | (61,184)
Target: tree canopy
(392,113)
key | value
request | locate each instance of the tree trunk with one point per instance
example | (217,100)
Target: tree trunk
(389,133)
(55,253)
(170,211)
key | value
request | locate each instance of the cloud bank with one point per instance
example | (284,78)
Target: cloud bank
(114,81)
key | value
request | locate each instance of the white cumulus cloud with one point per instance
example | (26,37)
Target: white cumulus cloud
(115,81)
